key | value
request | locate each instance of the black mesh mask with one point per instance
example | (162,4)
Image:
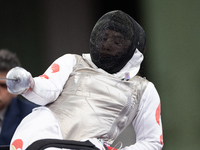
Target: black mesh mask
(114,39)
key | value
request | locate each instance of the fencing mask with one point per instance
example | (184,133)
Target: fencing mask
(114,39)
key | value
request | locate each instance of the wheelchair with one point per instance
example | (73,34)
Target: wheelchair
(67,144)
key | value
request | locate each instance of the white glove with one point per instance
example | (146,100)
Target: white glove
(22,83)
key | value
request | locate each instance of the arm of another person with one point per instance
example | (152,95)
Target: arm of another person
(147,123)
(49,85)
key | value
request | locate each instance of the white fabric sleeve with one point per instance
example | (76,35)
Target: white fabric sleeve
(147,123)
(49,85)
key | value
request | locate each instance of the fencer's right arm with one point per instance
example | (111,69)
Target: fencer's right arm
(48,86)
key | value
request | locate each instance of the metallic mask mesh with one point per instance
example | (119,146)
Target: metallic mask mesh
(113,41)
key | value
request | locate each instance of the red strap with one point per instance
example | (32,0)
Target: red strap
(111,148)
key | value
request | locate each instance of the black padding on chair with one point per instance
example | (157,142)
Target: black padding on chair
(69,144)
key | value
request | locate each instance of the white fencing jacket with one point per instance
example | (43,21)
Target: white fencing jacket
(147,119)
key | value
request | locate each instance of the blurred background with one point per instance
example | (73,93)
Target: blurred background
(40,31)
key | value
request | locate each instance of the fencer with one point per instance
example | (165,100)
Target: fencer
(95,95)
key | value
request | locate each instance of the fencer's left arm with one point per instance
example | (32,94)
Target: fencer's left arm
(147,124)
(49,85)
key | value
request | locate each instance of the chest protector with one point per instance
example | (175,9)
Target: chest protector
(94,104)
